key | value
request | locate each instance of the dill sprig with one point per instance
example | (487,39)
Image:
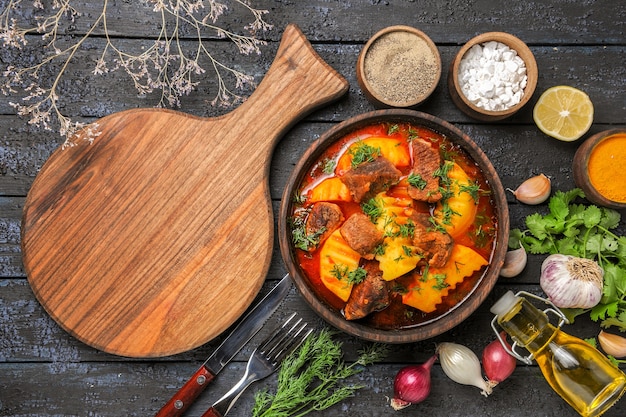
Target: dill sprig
(314,378)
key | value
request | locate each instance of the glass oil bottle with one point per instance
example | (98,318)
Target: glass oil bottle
(578,372)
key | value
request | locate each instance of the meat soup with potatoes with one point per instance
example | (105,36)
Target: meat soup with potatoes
(393,225)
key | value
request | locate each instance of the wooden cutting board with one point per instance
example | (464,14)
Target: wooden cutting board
(156,238)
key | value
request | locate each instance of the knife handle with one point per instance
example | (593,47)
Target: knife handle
(212,412)
(183,398)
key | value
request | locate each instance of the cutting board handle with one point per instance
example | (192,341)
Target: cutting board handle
(156,237)
(298,82)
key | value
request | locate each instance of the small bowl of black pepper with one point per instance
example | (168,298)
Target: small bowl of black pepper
(399,67)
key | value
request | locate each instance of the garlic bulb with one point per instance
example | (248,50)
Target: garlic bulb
(612,344)
(514,262)
(534,190)
(571,282)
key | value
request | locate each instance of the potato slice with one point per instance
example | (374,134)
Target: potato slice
(336,255)
(399,258)
(330,189)
(458,212)
(395,150)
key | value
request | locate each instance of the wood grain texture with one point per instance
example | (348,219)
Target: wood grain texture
(44,371)
(155,238)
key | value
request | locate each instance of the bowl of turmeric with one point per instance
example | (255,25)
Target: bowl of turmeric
(394,226)
(599,165)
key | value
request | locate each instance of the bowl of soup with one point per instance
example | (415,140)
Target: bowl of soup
(394,226)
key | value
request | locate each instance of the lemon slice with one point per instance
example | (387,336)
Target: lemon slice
(564,113)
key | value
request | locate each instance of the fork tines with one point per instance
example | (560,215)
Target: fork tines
(284,340)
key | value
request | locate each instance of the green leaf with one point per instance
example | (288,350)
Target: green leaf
(619,322)
(610,218)
(594,244)
(536,246)
(620,252)
(619,277)
(572,313)
(559,205)
(614,283)
(537,226)
(567,246)
(571,195)
(609,244)
(592,217)
(603,311)
(515,238)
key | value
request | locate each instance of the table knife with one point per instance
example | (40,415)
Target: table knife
(245,330)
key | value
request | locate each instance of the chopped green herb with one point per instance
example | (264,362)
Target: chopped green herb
(373,208)
(441,281)
(472,189)
(407,229)
(380,249)
(413,134)
(408,251)
(393,129)
(328,166)
(343,273)
(357,276)
(362,152)
(339,271)
(304,241)
(442,173)
(416,181)
(299,199)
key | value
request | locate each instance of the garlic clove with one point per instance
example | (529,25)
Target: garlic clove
(534,190)
(612,344)
(514,262)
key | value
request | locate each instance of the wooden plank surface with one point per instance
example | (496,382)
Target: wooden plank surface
(46,372)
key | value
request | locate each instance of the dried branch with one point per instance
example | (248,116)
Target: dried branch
(164,66)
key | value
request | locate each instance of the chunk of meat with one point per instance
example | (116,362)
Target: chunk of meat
(361,234)
(435,245)
(369,295)
(426,161)
(371,178)
(323,219)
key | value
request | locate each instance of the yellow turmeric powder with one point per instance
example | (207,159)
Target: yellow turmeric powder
(606,167)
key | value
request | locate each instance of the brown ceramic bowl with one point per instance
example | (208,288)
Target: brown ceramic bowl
(472,296)
(480,113)
(399,67)
(616,138)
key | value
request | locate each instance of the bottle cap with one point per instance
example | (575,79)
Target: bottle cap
(505,303)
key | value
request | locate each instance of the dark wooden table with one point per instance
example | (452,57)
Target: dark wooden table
(46,372)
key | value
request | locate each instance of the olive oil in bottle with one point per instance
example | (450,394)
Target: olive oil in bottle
(578,372)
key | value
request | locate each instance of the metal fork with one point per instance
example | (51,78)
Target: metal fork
(265,360)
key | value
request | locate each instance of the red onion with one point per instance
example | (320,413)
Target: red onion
(497,362)
(412,384)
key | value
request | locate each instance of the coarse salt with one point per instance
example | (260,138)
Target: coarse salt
(492,76)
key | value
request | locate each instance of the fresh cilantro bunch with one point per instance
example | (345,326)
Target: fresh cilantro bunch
(584,231)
